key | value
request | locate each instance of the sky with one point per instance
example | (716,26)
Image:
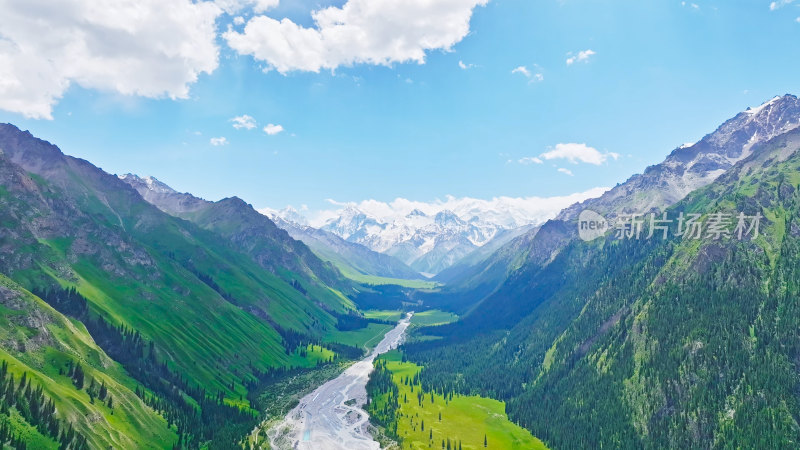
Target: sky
(307,102)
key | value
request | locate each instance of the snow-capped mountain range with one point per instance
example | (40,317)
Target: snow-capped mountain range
(692,166)
(431,237)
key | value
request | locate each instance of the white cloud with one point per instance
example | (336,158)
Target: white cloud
(272,129)
(779,4)
(218,141)
(244,121)
(234,6)
(238,20)
(565,171)
(523,70)
(150,48)
(797,20)
(509,212)
(379,32)
(530,160)
(582,56)
(533,76)
(465,66)
(576,153)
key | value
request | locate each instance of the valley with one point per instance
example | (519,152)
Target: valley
(136,316)
(331,416)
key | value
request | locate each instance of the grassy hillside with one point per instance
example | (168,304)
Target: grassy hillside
(41,343)
(218,316)
(421,419)
(203,303)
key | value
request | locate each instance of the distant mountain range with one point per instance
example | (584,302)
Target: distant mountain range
(434,239)
(354,260)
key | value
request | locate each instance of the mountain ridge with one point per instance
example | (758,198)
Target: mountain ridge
(658,187)
(649,343)
(348,256)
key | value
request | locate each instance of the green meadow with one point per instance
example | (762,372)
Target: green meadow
(375,280)
(465,420)
(367,337)
(390,315)
(432,317)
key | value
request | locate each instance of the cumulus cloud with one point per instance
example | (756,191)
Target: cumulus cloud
(272,129)
(244,121)
(465,66)
(779,4)
(234,6)
(576,153)
(218,141)
(565,171)
(150,48)
(379,32)
(509,212)
(582,56)
(522,70)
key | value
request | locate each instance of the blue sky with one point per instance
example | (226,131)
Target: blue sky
(652,76)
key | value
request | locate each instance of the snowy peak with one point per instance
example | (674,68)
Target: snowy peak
(428,243)
(149,183)
(430,236)
(350,224)
(448,219)
(162,196)
(291,215)
(766,105)
(692,166)
(735,138)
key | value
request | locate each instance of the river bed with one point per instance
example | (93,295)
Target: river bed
(323,421)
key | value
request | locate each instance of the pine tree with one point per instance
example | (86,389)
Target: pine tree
(77,376)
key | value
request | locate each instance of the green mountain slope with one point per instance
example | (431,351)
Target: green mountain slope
(251,233)
(41,343)
(221,304)
(266,238)
(177,284)
(651,343)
